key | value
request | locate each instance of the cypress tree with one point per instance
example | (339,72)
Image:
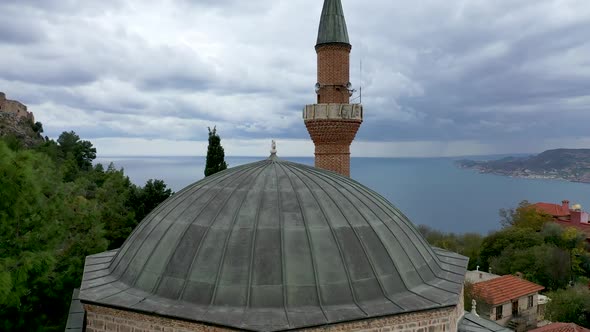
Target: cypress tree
(215,155)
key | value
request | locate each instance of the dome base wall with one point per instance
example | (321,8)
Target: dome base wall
(103,319)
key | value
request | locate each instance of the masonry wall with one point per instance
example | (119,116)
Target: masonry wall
(333,73)
(440,320)
(101,319)
(14,107)
(332,139)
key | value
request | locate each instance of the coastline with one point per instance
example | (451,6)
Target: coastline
(522,174)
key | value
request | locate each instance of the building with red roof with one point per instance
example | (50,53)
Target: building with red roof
(561,327)
(512,301)
(567,216)
(554,210)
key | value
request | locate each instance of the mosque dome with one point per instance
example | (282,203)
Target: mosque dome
(275,245)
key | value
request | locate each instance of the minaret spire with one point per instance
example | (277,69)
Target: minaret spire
(333,122)
(332,24)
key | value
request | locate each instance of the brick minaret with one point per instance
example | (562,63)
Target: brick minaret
(333,122)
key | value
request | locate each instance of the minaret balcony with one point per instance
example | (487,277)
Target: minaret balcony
(333,112)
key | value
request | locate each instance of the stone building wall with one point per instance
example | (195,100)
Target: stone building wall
(440,320)
(102,319)
(14,107)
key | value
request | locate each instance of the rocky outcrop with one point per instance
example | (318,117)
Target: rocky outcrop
(19,127)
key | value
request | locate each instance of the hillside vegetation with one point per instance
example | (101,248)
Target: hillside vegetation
(532,246)
(57,207)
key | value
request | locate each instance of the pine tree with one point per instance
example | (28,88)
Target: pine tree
(215,155)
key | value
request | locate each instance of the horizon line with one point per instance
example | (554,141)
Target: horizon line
(307,156)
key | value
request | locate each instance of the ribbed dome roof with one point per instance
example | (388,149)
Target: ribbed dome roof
(275,245)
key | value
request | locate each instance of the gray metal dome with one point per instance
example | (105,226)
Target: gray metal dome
(274,245)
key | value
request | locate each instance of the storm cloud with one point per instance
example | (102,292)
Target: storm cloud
(438,77)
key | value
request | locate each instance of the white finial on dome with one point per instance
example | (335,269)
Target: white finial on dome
(273,147)
(474,307)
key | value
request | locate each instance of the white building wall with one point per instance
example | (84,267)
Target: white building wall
(524,312)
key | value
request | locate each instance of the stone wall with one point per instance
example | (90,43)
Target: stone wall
(427,321)
(101,319)
(15,107)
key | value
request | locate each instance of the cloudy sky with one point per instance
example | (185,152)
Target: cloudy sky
(439,77)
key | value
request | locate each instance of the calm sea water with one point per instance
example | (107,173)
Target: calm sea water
(430,191)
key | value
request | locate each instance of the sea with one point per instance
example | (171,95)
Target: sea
(430,191)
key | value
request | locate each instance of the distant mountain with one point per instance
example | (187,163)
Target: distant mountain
(567,164)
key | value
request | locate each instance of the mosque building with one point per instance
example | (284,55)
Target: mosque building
(277,246)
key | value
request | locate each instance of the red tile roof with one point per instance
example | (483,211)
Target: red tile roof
(505,289)
(561,327)
(555,210)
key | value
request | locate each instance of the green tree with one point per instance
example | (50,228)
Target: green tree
(468,244)
(116,213)
(571,305)
(144,200)
(13,142)
(37,127)
(46,230)
(81,151)
(51,149)
(56,209)
(123,204)
(83,235)
(524,216)
(516,238)
(472,243)
(573,242)
(544,264)
(215,155)
(553,257)
(26,256)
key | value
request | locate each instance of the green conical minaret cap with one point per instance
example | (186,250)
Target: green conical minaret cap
(332,24)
